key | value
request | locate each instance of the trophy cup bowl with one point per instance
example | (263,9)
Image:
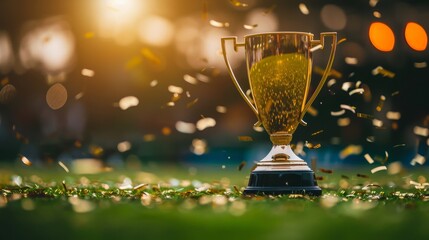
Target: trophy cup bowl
(279,67)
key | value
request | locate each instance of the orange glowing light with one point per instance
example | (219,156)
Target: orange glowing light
(416,36)
(381,36)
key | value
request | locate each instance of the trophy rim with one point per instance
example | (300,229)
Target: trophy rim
(279,32)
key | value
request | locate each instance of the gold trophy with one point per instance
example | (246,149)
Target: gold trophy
(279,66)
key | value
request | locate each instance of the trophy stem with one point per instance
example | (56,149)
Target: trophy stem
(282,172)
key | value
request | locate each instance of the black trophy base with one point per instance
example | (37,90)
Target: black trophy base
(283,182)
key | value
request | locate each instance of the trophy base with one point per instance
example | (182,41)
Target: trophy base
(282,172)
(282,182)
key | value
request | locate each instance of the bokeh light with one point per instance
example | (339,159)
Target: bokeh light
(267,21)
(416,36)
(156,31)
(381,36)
(48,45)
(56,96)
(333,17)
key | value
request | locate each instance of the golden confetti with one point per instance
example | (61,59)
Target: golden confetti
(140,186)
(348,107)
(217,24)
(133,62)
(245,138)
(242,164)
(247,26)
(185,127)
(316,133)
(368,158)
(127,102)
(150,56)
(237,3)
(199,146)
(333,73)
(421,131)
(205,123)
(395,93)
(376,14)
(95,150)
(351,60)
(331,82)
(363,115)
(87,72)
(418,159)
(303,8)
(383,72)
(338,113)
(175,89)
(357,90)
(346,86)
(393,115)
(312,111)
(350,150)
(221,109)
(63,166)
(192,103)
(377,169)
(377,123)
(26,161)
(370,139)
(79,95)
(420,64)
(380,103)
(373,3)
(188,78)
(153,83)
(312,146)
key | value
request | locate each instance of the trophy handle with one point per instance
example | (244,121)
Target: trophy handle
(234,79)
(320,44)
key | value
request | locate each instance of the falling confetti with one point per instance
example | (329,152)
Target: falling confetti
(153,83)
(351,60)
(26,161)
(380,103)
(383,72)
(127,102)
(217,24)
(221,109)
(418,159)
(63,166)
(350,150)
(420,64)
(338,113)
(245,138)
(237,3)
(421,131)
(188,78)
(175,89)
(379,168)
(357,90)
(368,158)
(348,107)
(377,123)
(393,115)
(185,127)
(343,122)
(205,123)
(199,146)
(250,26)
(303,8)
(87,72)
(364,115)
(376,14)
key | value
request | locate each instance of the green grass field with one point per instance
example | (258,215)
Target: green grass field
(171,203)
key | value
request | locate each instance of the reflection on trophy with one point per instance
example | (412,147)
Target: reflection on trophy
(279,67)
